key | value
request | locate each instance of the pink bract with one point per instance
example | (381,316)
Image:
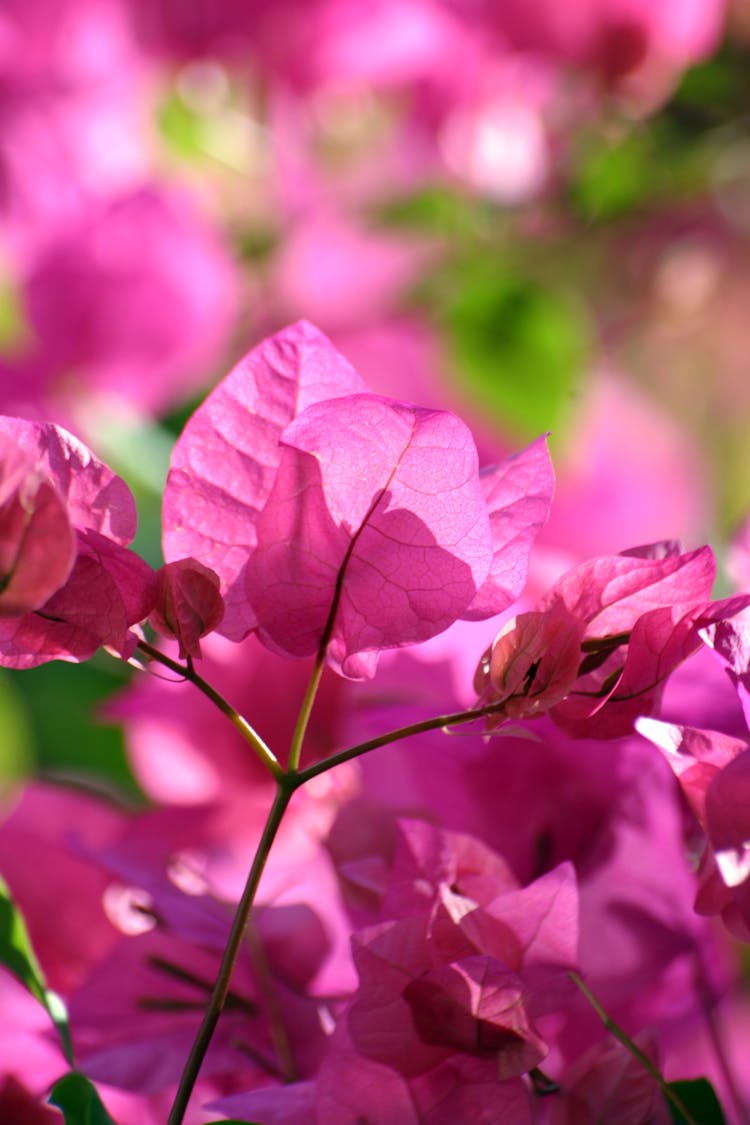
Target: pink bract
(344,520)
(633,618)
(189,604)
(37,544)
(225,460)
(103,588)
(129,305)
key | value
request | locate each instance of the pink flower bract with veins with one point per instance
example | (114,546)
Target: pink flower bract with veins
(68,506)
(343,521)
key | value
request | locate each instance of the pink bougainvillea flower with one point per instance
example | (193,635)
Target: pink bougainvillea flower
(696,756)
(37,543)
(73,105)
(598,651)
(350,1087)
(608,1084)
(616,37)
(609,807)
(730,641)
(226,458)
(461,977)
(135,1016)
(189,604)
(100,588)
(131,304)
(714,774)
(342,520)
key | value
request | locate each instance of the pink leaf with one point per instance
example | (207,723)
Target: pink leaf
(189,604)
(375,533)
(225,461)
(518,492)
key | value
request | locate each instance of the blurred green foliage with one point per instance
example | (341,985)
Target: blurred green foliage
(60,710)
(517,345)
(17,955)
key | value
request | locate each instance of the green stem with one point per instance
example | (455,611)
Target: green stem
(187,672)
(221,987)
(295,750)
(437,723)
(634,1050)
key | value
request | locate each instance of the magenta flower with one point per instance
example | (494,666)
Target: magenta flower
(608,1084)
(134,1017)
(37,543)
(131,303)
(463,976)
(70,584)
(342,521)
(714,774)
(189,604)
(600,648)
(616,37)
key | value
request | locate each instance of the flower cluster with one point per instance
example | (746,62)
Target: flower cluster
(429,915)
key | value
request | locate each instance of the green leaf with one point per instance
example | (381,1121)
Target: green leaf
(79,1101)
(17,758)
(613,179)
(699,1099)
(17,954)
(181,127)
(62,702)
(518,347)
(435,209)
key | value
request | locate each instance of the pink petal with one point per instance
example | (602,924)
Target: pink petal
(375,533)
(660,640)
(388,957)
(225,461)
(109,589)
(518,492)
(608,1083)
(696,756)
(37,543)
(447,1096)
(97,499)
(293,1104)
(476,1006)
(728,805)
(189,604)
(612,592)
(532,664)
(543,916)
